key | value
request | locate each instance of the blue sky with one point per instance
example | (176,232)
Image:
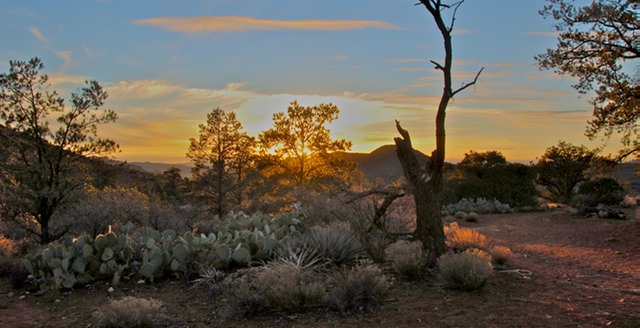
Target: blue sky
(167,63)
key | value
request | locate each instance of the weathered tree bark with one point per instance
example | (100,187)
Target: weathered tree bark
(426,184)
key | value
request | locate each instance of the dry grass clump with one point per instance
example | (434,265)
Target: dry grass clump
(500,254)
(7,247)
(128,312)
(408,259)
(461,239)
(358,289)
(286,287)
(279,286)
(465,271)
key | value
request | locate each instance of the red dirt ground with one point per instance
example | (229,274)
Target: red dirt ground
(584,273)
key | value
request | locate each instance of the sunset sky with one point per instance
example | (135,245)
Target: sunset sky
(165,64)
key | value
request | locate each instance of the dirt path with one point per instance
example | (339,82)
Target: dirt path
(583,273)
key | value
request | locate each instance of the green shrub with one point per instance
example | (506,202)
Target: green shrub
(605,191)
(460,239)
(464,271)
(489,175)
(337,245)
(129,312)
(15,270)
(360,288)
(408,259)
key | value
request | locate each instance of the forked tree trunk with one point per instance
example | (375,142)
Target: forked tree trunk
(426,184)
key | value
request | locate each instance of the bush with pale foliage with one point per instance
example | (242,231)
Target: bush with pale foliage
(129,311)
(467,271)
(407,258)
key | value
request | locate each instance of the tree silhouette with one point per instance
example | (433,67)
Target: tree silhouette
(299,146)
(595,43)
(426,183)
(221,155)
(44,168)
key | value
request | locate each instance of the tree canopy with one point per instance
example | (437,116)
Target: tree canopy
(301,145)
(221,155)
(599,44)
(43,167)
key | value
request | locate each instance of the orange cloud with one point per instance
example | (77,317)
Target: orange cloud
(237,23)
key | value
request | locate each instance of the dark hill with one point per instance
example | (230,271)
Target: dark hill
(381,163)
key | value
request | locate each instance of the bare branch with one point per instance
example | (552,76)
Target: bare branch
(438,66)
(468,84)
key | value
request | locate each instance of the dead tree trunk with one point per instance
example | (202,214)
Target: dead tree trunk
(426,183)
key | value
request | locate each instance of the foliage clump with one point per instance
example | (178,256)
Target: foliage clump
(466,271)
(408,259)
(128,312)
(357,289)
(606,191)
(460,239)
(477,205)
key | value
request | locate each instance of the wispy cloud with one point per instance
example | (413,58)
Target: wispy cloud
(340,57)
(37,34)
(237,23)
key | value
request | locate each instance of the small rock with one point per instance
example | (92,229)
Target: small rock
(22,297)
(110,290)
(57,300)
(38,293)
(141,282)
(11,294)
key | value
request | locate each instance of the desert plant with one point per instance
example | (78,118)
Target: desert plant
(7,247)
(464,271)
(358,289)
(477,205)
(407,258)
(460,239)
(337,245)
(606,191)
(128,312)
(15,270)
(500,254)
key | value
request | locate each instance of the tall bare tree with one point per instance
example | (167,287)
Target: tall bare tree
(426,183)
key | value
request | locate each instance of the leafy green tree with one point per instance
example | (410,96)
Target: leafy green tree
(44,166)
(299,147)
(222,155)
(598,44)
(488,175)
(561,168)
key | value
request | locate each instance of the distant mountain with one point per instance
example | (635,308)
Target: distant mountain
(382,163)
(185,169)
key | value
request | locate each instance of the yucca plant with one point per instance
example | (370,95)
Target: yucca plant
(338,246)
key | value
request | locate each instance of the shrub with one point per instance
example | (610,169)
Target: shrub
(477,205)
(461,239)
(605,191)
(472,217)
(500,254)
(279,286)
(7,247)
(129,311)
(358,289)
(489,175)
(15,270)
(337,245)
(465,271)
(286,287)
(407,258)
